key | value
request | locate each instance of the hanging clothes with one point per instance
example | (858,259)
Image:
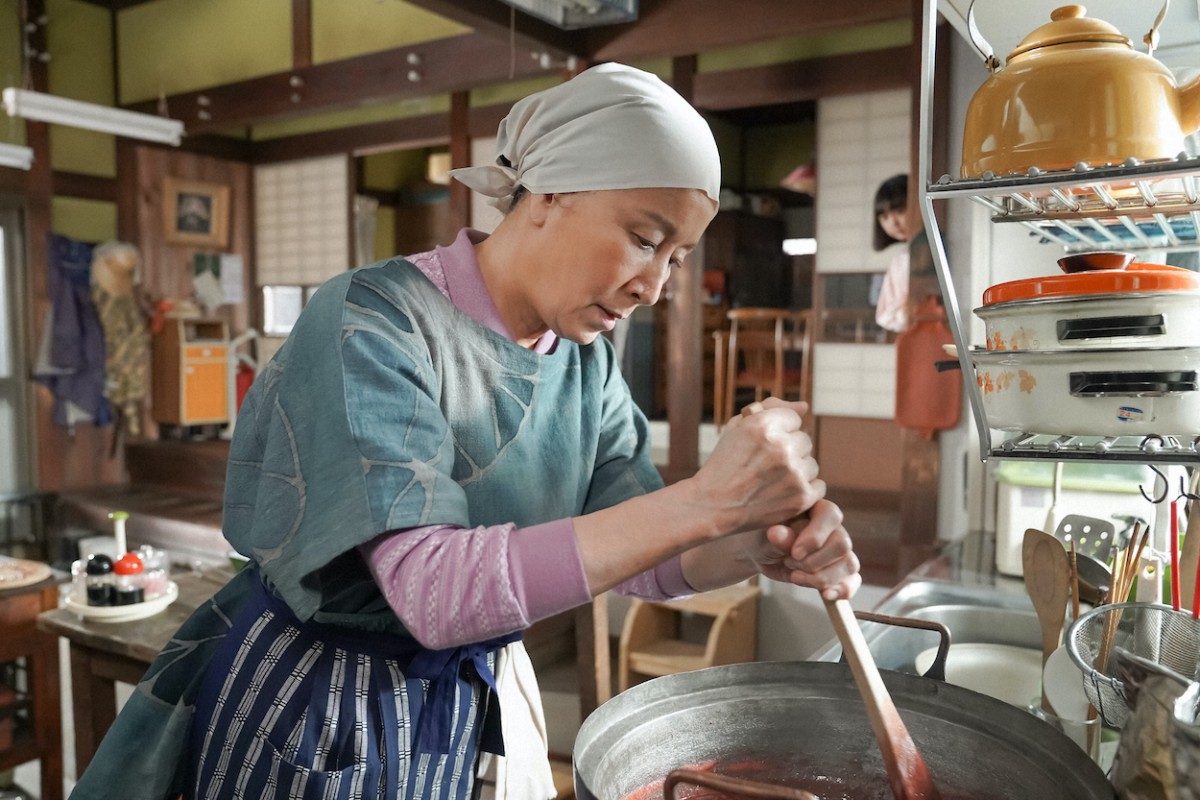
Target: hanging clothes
(126,338)
(71,354)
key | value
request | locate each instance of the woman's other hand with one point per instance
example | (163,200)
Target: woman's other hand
(813,550)
(761,471)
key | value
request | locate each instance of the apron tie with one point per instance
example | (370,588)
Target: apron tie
(442,668)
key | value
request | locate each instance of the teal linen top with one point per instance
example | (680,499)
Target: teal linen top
(387,408)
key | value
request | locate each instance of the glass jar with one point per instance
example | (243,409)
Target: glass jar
(157,573)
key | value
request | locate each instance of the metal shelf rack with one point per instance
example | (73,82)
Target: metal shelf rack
(1130,206)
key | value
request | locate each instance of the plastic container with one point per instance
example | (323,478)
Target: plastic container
(1024,495)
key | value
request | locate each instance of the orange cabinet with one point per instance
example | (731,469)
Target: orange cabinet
(190,372)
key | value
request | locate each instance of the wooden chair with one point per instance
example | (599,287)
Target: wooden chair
(767,350)
(651,645)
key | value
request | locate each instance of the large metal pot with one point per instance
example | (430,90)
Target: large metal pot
(806,723)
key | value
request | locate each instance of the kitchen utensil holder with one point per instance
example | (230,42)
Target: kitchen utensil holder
(1153,632)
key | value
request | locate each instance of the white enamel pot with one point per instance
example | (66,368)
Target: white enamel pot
(1096,392)
(1103,301)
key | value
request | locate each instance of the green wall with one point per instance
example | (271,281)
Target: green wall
(79,39)
(773,151)
(173,46)
(348,28)
(86,220)
(11,131)
(842,41)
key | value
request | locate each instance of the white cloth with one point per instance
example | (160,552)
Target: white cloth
(523,773)
(610,127)
(892,310)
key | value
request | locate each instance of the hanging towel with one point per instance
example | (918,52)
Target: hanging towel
(71,355)
(523,773)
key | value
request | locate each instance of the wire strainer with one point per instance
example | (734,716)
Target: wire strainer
(1154,632)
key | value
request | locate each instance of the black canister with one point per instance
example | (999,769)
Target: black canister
(100,589)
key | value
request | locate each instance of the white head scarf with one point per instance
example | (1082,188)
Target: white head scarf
(610,127)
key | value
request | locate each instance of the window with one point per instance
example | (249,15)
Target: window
(302,229)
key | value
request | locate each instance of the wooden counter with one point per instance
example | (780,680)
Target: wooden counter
(21,641)
(103,653)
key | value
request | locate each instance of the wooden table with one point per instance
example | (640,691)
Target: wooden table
(21,641)
(103,653)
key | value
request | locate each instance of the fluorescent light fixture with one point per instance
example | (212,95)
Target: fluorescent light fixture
(800,247)
(92,116)
(13,155)
(570,14)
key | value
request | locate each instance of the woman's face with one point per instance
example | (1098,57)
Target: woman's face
(895,223)
(599,255)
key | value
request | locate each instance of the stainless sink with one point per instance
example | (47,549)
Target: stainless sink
(987,614)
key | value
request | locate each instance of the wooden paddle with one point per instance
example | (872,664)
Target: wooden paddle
(1048,581)
(907,774)
(906,770)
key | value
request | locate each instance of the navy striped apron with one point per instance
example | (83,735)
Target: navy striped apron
(309,710)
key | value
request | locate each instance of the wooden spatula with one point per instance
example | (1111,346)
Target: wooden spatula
(1048,581)
(907,774)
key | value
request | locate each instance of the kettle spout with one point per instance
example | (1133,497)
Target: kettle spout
(1189,106)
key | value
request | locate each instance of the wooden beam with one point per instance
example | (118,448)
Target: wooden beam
(85,187)
(685,351)
(117,5)
(679,27)
(410,133)
(460,156)
(401,134)
(455,64)
(809,79)
(301,34)
(504,23)
(13,180)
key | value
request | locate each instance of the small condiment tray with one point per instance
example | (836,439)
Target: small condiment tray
(127,613)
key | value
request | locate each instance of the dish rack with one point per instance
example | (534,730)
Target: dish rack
(1132,206)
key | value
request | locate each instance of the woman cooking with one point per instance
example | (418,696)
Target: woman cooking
(441,454)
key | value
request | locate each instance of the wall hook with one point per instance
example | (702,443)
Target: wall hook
(1165,486)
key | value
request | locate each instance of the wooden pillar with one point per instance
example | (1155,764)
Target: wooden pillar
(685,350)
(301,34)
(460,156)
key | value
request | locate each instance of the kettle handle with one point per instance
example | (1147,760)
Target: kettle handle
(1151,38)
(981,44)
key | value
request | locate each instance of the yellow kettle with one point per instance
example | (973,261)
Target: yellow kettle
(1074,90)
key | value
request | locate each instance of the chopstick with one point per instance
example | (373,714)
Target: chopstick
(1074,583)
(1174,556)
(1126,570)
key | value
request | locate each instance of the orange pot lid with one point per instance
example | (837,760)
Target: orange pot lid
(1133,278)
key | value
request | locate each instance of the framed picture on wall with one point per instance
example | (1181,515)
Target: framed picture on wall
(196,213)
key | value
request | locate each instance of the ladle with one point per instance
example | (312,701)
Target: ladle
(907,774)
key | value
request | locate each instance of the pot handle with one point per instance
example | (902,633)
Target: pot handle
(1133,384)
(989,57)
(937,670)
(736,787)
(1151,38)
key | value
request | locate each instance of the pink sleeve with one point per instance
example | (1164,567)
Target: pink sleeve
(452,586)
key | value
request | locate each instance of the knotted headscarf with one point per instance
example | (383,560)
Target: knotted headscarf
(610,127)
